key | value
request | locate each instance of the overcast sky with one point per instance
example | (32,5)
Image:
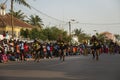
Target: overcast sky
(100,15)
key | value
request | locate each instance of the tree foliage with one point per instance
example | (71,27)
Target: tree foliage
(35,20)
(25,33)
(34,33)
(81,35)
(22,2)
(48,33)
(117,36)
(19,14)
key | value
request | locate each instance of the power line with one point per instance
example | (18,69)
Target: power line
(5,2)
(67,22)
(100,23)
(47,15)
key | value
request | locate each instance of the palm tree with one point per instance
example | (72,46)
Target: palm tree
(81,35)
(23,2)
(19,14)
(35,21)
(77,32)
(117,36)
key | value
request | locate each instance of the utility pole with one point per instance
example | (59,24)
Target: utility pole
(70,28)
(12,22)
(70,31)
(72,20)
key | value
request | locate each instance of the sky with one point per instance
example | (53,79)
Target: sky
(89,15)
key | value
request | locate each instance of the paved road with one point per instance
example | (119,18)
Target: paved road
(74,68)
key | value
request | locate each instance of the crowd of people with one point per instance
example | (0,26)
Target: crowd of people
(16,50)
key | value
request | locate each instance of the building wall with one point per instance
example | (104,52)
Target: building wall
(110,36)
(2,29)
(9,29)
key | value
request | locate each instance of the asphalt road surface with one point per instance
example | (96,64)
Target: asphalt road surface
(73,68)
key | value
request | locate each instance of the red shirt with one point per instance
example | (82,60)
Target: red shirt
(51,48)
(26,48)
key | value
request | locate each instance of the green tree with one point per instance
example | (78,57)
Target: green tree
(21,2)
(25,33)
(54,33)
(117,36)
(81,35)
(77,32)
(49,33)
(35,21)
(66,38)
(34,33)
(101,37)
(22,32)
(19,14)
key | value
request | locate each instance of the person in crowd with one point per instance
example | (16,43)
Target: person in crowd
(44,50)
(22,54)
(26,49)
(55,48)
(41,51)
(37,51)
(17,51)
(61,49)
(111,47)
(51,50)
(95,47)
(1,51)
(65,49)
(48,51)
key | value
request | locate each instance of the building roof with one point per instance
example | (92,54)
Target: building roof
(109,35)
(5,20)
(106,33)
